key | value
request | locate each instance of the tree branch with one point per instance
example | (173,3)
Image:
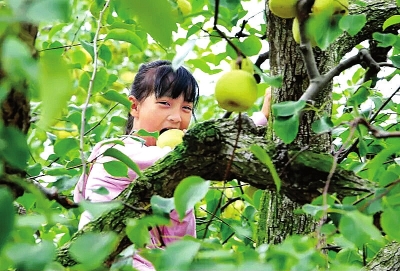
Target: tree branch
(207,151)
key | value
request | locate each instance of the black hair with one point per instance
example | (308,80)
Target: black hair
(160,78)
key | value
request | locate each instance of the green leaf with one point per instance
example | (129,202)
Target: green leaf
(143,132)
(117,154)
(137,230)
(395,60)
(251,46)
(168,260)
(7,215)
(323,28)
(390,222)
(32,221)
(263,156)
(376,163)
(33,257)
(16,150)
(49,11)
(101,191)
(360,96)
(162,206)
(287,128)
(57,171)
(188,192)
(100,80)
(349,256)
(358,228)
(362,147)
(385,40)
(96,209)
(288,109)
(125,35)
(88,47)
(242,231)
(145,12)
(91,256)
(78,57)
(105,53)
(194,29)
(395,19)
(65,145)
(322,125)
(275,81)
(116,168)
(113,95)
(55,85)
(353,24)
(55,29)
(17,60)
(138,233)
(312,210)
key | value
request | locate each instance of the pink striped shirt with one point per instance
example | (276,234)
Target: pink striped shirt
(143,156)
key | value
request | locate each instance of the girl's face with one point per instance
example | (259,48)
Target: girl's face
(154,114)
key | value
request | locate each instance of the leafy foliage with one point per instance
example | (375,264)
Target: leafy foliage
(68,120)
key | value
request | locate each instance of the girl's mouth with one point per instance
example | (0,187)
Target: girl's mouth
(163,130)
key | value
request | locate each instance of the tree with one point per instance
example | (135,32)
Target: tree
(75,78)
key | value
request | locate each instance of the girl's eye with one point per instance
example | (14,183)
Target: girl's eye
(188,108)
(163,103)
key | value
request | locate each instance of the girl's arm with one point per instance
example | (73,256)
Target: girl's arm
(266,107)
(261,118)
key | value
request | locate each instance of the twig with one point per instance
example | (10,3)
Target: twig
(378,133)
(137,209)
(351,148)
(91,83)
(41,191)
(328,181)
(230,201)
(388,187)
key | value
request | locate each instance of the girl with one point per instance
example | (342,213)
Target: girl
(161,99)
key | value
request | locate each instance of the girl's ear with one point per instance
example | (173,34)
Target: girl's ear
(134,106)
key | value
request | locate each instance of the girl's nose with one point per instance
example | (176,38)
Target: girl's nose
(175,117)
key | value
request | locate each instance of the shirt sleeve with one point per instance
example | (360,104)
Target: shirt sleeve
(98,177)
(178,228)
(259,119)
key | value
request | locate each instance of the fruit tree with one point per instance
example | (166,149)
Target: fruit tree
(316,189)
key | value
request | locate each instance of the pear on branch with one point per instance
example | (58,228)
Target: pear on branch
(283,8)
(236,90)
(322,26)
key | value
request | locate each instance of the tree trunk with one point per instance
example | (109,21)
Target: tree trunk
(15,107)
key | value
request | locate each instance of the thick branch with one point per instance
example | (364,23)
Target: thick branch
(206,152)
(317,83)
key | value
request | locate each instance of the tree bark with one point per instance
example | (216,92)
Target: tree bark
(388,259)
(15,107)
(207,151)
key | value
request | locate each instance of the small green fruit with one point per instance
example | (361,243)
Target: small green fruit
(296,33)
(283,8)
(236,91)
(170,138)
(185,7)
(332,7)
